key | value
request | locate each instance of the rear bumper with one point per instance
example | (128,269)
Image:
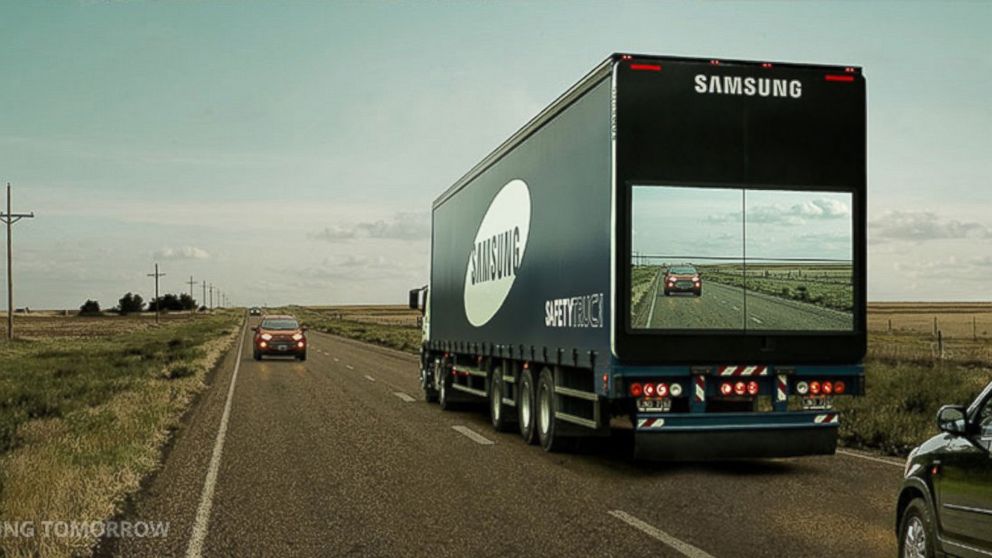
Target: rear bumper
(291,349)
(685,437)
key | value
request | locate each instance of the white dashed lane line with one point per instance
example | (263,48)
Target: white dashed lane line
(681,546)
(369,378)
(892,462)
(473,435)
(349,367)
(336,359)
(404,396)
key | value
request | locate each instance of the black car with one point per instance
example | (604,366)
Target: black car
(255,311)
(945,505)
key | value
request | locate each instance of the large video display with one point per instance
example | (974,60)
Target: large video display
(707,258)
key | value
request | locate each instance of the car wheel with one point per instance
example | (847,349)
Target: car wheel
(668,293)
(257,355)
(427,384)
(547,424)
(444,391)
(302,357)
(499,414)
(526,409)
(916,537)
(699,291)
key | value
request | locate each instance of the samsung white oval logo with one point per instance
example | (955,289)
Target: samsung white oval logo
(497,252)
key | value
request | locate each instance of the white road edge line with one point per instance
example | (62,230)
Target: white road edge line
(369,378)
(872,458)
(473,435)
(404,396)
(200,524)
(683,547)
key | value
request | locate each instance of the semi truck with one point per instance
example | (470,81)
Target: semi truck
(567,267)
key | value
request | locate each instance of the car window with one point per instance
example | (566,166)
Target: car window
(985,423)
(280,324)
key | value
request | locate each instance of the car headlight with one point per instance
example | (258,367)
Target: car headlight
(266,336)
(297,337)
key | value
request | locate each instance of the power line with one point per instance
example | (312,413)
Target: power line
(10,218)
(158,301)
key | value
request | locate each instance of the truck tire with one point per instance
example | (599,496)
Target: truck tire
(916,532)
(427,384)
(444,391)
(547,424)
(526,415)
(499,414)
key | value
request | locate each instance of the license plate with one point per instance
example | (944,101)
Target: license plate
(283,347)
(654,405)
(813,403)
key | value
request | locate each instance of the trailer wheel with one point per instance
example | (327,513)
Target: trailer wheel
(547,424)
(444,391)
(526,415)
(499,414)
(427,383)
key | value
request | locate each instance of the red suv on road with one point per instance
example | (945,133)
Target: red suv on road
(280,335)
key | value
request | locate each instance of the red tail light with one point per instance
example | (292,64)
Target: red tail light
(827,388)
(662,390)
(814,388)
(726,388)
(636,390)
(648,67)
(752,388)
(740,388)
(839,387)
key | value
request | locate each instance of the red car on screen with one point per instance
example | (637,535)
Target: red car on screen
(682,279)
(280,335)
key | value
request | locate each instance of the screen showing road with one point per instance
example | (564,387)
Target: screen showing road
(707,258)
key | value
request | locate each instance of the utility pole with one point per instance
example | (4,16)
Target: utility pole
(191,283)
(204,301)
(10,218)
(158,302)
(211,306)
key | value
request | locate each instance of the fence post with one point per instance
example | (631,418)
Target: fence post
(940,345)
(890,325)
(974,328)
(935,326)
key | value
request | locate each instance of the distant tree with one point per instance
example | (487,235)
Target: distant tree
(165,303)
(187,302)
(90,308)
(130,303)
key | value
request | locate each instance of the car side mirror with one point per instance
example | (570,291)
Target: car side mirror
(415,299)
(305,328)
(952,419)
(255,329)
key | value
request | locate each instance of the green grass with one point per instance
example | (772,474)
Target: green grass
(900,407)
(83,419)
(827,286)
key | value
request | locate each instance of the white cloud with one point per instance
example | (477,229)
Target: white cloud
(401,226)
(182,253)
(921,226)
(796,214)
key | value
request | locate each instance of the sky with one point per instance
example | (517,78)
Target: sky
(673,225)
(290,152)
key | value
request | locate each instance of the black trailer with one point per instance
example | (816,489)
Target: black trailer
(675,246)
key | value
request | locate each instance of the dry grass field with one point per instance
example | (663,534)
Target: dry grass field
(86,405)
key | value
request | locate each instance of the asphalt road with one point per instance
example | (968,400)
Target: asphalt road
(723,307)
(340,456)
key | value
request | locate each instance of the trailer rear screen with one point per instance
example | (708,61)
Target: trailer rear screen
(741,259)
